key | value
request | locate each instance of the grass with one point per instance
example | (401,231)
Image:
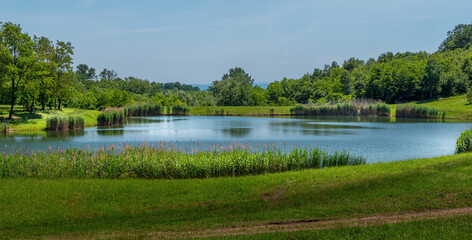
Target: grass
(443,228)
(111,117)
(160,162)
(138,208)
(25,121)
(456,107)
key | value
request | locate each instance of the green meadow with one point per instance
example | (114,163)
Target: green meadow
(77,208)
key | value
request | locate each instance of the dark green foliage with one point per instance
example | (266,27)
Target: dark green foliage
(469,95)
(150,162)
(417,111)
(180,110)
(344,108)
(64,122)
(148,109)
(111,117)
(464,142)
(234,89)
(459,37)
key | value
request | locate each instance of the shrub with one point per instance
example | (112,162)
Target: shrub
(469,95)
(4,127)
(464,142)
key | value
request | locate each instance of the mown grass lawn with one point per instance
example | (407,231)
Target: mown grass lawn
(133,208)
(25,121)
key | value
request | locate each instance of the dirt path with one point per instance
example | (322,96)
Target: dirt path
(314,224)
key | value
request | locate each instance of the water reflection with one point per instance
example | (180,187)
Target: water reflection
(236,132)
(378,139)
(110,132)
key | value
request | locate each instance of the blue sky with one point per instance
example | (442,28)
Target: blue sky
(198,41)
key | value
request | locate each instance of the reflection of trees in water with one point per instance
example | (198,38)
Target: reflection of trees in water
(236,132)
(65,134)
(110,132)
(139,120)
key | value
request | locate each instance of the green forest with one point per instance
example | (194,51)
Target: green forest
(38,73)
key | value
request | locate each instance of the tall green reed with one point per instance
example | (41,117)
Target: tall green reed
(151,162)
(64,122)
(111,117)
(417,111)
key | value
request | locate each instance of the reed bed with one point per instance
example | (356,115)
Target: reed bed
(111,117)
(160,163)
(344,108)
(148,109)
(180,110)
(417,111)
(64,122)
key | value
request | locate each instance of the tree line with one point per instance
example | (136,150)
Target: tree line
(37,73)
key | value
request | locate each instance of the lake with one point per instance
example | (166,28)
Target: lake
(378,139)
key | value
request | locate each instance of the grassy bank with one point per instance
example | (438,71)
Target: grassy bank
(25,121)
(141,209)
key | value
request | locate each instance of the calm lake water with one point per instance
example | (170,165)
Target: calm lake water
(378,139)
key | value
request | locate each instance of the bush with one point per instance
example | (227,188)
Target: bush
(469,95)
(4,127)
(464,142)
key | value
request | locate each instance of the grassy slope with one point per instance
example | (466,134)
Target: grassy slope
(37,121)
(92,207)
(455,107)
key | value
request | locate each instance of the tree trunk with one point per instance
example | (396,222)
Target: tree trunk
(59,106)
(32,106)
(12,97)
(55,103)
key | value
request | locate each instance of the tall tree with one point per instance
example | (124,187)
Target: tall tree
(234,89)
(63,59)
(45,66)
(19,57)
(459,37)
(431,85)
